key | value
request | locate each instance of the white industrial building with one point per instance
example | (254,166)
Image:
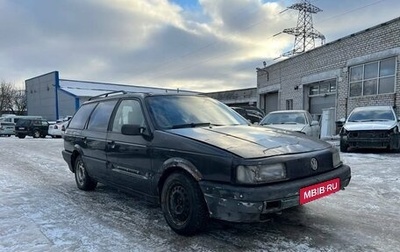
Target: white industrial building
(54,98)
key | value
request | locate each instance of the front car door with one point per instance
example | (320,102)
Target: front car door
(128,156)
(315,129)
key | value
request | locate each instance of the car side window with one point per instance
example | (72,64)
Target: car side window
(128,112)
(80,118)
(100,117)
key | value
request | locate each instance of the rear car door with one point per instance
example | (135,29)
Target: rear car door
(129,155)
(94,139)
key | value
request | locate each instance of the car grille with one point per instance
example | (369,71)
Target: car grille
(369,134)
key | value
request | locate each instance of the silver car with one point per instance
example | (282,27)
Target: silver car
(7,129)
(293,120)
(371,127)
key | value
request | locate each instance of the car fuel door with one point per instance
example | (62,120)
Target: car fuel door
(128,157)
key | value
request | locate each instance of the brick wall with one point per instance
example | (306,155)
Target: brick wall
(333,60)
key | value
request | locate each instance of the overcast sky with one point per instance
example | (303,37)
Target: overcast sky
(201,45)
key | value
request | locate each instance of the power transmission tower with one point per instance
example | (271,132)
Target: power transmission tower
(304,32)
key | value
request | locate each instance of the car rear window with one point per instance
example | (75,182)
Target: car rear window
(81,116)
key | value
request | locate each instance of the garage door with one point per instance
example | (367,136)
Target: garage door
(271,102)
(318,103)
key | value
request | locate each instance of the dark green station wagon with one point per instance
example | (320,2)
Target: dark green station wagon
(197,158)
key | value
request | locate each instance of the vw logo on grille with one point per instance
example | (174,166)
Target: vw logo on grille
(314,164)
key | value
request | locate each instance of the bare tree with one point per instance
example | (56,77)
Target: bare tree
(19,102)
(6,90)
(11,99)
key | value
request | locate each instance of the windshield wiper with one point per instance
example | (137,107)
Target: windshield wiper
(190,125)
(374,120)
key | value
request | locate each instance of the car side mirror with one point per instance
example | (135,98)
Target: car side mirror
(313,123)
(131,129)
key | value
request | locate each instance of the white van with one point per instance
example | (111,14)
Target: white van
(7,128)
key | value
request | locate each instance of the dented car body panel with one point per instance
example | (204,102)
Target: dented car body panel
(253,204)
(371,127)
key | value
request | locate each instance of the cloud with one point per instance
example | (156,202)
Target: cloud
(204,46)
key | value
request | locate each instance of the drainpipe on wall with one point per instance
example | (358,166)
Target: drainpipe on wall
(57,85)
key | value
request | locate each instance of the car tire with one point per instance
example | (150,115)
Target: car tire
(343,146)
(183,204)
(21,136)
(82,178)
(36,134)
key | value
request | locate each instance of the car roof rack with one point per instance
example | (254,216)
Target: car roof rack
(107,94)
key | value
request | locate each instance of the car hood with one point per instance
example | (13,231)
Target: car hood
(290,127)
(377,125)
(252,141)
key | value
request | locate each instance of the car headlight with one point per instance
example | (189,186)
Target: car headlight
(336,159)
(256,174)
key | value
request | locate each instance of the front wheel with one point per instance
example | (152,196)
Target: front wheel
(183,204)
(82,178)
(21,136)
(343,146)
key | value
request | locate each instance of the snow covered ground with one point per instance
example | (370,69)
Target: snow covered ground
(41,209)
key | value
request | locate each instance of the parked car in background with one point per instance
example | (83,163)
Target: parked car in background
(7,129)
(371,127)
(57,130)
(14,118)
(253,114)
(31,127)
(197,158)
(293,120)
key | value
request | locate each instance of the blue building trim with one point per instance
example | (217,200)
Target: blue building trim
(77,98)
(77,103)
(57,86)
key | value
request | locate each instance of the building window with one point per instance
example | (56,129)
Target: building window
(289,104)
(323,87)
(373,78)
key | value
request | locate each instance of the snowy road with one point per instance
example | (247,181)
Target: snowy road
(41,209)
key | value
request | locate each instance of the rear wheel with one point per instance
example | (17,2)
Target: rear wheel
(82,178)
(36,134)
(183,204)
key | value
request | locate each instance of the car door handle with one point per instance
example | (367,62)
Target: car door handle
(111,145)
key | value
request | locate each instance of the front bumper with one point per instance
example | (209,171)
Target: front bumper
(376,140)
(253,204)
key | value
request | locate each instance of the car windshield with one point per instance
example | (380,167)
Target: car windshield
(284,118)
(170,112)
(22,122)
(371,115)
